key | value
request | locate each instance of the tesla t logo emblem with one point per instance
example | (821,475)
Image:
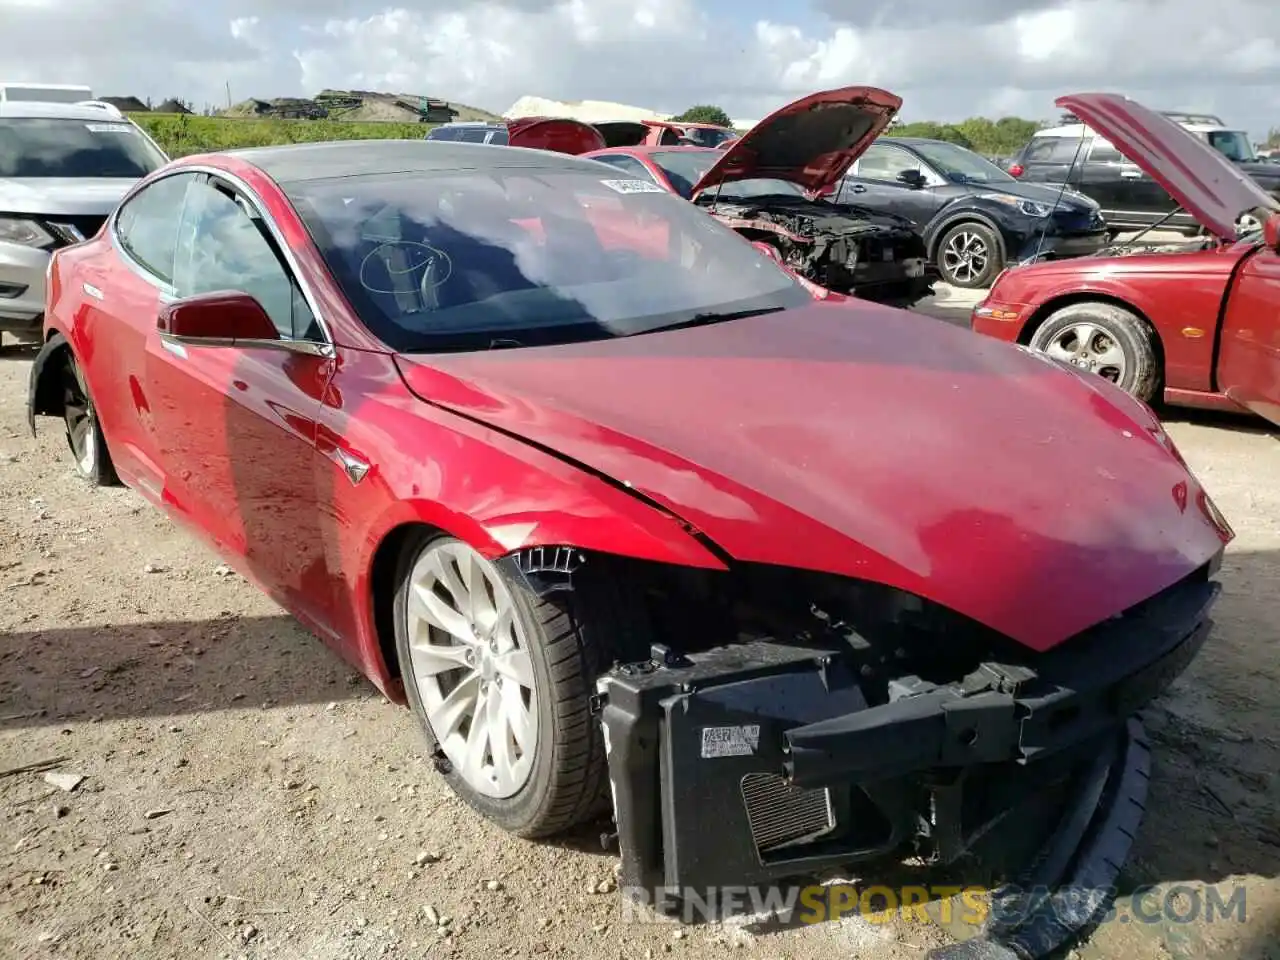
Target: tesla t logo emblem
(354,467)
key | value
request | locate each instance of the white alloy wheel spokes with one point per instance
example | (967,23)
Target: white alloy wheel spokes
(1091,349)
(470,663)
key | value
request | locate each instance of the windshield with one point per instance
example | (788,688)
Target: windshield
(684,168)
(436,262)
(1232,144)
(40,147)
(961,165)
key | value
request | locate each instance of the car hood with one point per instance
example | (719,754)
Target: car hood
(68,197)
(1205,183)
(1041,193)
(871,443)
(811,142)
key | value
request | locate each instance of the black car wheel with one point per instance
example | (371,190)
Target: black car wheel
(84,433)
(1103,339)
(969,256)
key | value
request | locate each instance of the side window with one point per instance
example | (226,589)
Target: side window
(1104,152)
(1041,151)
(147,225)
(1057,150)
(223,245)
(475,134)
(628,165)
(884,162)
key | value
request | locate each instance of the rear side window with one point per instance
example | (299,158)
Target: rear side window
(1054,150)
(443,133)
(1104,152)
(147,225)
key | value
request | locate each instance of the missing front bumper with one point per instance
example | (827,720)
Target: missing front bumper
(751,764)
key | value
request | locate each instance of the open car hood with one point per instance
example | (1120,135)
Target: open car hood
(1204,182)
(558,134)
(870,443)
(811,142)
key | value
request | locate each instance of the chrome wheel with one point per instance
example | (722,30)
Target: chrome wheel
(469,659)
(1090,349)
(80,418)
(965,257)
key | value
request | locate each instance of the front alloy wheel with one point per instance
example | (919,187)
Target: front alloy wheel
(969,256)
(469,657)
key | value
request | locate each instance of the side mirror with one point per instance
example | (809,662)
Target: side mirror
(216,319)
(1271,232)
(912,178)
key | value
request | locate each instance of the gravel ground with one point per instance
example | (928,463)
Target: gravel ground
(246,795)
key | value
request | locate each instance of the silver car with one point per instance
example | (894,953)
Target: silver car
(63,169)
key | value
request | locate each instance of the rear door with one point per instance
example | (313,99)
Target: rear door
(1128,196)
(1054,160)
(1249,358)
(238,423)
(874,181)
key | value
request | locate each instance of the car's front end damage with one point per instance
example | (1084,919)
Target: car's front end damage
(826,723)
(877,257)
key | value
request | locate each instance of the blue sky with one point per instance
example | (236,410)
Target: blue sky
(949,59)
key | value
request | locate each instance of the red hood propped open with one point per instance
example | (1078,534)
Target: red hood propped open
(811,142)
(1204,182)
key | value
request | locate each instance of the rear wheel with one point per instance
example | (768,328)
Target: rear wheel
(969,256)
(501,680)
(1104,339)
(84,432)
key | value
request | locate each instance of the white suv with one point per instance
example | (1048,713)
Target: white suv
(63,169)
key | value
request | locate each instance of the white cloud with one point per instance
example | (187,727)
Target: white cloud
(961,58)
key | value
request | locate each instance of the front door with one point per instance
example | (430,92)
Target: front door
(874,182)
(1249,360)
(238,423)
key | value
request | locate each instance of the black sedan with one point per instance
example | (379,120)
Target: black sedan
(975,218)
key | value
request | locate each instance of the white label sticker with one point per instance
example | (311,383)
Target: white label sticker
(108,127)
(632,186)
(730,741)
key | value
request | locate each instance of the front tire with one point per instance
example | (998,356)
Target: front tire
(969,256)
(84,432)
(500,680)
(1104,339)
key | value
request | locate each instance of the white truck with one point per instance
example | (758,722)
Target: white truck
(44,93)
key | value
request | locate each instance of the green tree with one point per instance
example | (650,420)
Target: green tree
(705,113)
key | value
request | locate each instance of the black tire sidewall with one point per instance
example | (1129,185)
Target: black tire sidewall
(1125,328)
(995,256)
(100,472)
(517,812)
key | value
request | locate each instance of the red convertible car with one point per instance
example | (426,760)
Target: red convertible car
(624,513)
(1191,322)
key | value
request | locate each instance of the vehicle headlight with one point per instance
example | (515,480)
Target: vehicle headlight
(1032,208)
(25,232)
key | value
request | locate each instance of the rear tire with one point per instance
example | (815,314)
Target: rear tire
(1104,339)
(88,445)
(536,765)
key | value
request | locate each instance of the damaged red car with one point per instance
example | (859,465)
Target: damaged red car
(766,184)
(1191,322)
(636,525)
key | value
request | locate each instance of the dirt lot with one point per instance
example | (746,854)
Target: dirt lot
(246,795)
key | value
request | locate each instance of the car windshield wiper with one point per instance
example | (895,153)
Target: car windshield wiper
(703,319)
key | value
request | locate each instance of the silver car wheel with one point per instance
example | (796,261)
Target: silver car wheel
(471,667)
(1090,349)
(965,256)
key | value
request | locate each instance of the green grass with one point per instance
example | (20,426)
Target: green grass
(180,135)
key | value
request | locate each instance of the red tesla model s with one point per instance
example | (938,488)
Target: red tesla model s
(613,501)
